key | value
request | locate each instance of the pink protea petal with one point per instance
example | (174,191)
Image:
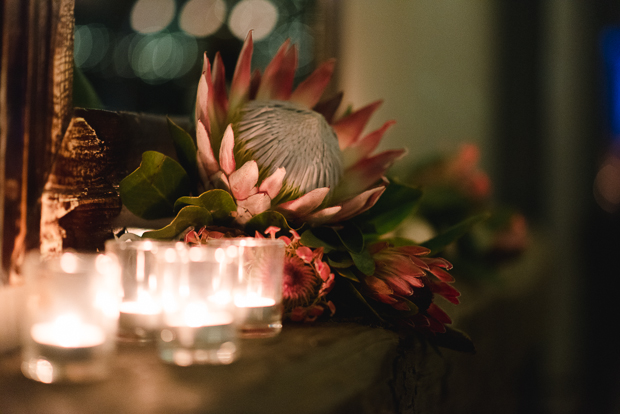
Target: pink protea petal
(445,290)
(220,96)
(305,204)
(255,83)
(251,206)
(435,326)
(322,269)
(329,107)
(332,308)
(277,80)
(367,172)
(413,280)
(219,180)
(358,204)
(271,231)
(377,247)
(295,235)
(243,181)
(240,86)
(192,237)
(322,216)
(305,253)
(349,128)
(441,274)
(420,263)
(400,286)
(400,267)
(285,239)
(310,90)
(438,313)
(437,261)
(227,156)
(378,286)
(205,152)
(416,251)
(202,95)
(273,184)
(328,284)
(365,146)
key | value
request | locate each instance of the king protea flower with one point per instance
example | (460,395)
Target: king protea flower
(404,274)
(273,147)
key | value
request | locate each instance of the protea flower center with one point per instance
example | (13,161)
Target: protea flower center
(283,134)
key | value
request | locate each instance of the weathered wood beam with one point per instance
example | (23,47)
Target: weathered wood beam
(36,73)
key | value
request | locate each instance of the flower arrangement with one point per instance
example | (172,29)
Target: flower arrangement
(272,161)
(455,188)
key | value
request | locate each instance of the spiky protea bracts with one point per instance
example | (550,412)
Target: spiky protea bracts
(404,275)
(279,148)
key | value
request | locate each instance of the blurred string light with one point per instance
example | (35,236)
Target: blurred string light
(165,43)
(91,45)
(151,16)
(201,18)
(155,58)
(260,16)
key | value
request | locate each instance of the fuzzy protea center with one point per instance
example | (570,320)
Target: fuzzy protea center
(299,282)
(283,134)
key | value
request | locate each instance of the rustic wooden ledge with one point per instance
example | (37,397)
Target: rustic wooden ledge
(328,368)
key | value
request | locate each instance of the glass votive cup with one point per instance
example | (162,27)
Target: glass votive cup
(198,310)
(259,267)
(71,316)
(140,309)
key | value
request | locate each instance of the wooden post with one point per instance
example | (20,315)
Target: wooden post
(36,73)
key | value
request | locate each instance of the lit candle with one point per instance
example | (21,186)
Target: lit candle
(253,301)
(259,316)
(67,331)
(139,318)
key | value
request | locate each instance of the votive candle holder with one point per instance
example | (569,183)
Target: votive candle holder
(198,309)
(141,308)
(258,267)
(71,316)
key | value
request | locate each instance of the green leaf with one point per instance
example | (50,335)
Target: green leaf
(151,190)
(456,340)
(219,203)
(84,95)
(351,237)
(347,273)
(400,241)
(260,222)
(438,243)
(324,237)
(364,262)
(185,148)
(397,202)
(188,216)
(356,293)
(339,259)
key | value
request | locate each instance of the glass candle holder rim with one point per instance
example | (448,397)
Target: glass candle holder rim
(34,259)
(245,241)
(145,245)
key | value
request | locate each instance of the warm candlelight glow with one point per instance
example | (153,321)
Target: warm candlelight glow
(145,305)
(253,301)
(67,331)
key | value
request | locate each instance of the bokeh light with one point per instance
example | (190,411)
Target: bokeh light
(90,45)
(260,16)
(201,18)
(151,16)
